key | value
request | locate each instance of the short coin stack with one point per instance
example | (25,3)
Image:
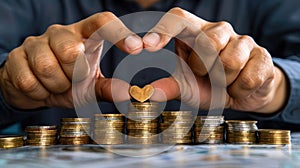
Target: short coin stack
(209,129)
(274,137)
(142,123)
(11,141)
(176,127)
(108,129)
(41,135)
(241,131)
(74,131)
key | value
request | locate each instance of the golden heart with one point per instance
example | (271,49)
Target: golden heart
(141,94)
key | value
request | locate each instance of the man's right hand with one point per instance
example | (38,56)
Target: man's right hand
(39,72)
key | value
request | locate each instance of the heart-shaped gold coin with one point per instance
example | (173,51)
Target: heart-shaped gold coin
(141,94)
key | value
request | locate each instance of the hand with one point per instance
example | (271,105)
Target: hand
(39,72)
(252,82)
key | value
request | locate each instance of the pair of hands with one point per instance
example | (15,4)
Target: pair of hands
(39,72)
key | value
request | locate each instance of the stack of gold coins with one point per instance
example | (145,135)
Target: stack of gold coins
(209,129)
(176,127)
(142,123)
(274,137)
(41,135)
(241,131)
(108,129)
(11,141)
(75,131)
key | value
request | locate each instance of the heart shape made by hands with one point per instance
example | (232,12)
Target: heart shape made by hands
(141,94)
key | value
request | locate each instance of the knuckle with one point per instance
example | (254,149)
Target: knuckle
(69,51)
(225,25)
(13,55)
(96,20)
(106,14)
(102,17)
(54,28)
(246,39)
(263,54)
(221,26)
(30,41)
(178,11)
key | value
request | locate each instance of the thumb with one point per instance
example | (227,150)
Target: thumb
(165,89)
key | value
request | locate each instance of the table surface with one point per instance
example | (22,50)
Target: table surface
(208,156)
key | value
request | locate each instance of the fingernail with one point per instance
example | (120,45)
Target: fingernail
(151,39)
(133,42)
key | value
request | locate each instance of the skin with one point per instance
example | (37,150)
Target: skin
(31,79)
(253,83)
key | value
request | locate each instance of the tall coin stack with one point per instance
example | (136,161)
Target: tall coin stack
(142,123)
(241,132)
(176,127)
(274,137)
(75,131)
(209,129)
(11,141)
(41,135)
(108,129)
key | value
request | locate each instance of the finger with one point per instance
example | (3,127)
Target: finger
(165,89)
(109,27)
(232,59)
(45,66)
(176,22)
(257,71)
(66,46)
(208,45)
(22,77)
(115,90)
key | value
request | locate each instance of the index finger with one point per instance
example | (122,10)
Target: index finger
(176,23)
(109,27)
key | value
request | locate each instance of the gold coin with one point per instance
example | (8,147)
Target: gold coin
(73,135)
(11,138)
(109,115)
(144,104)
(141,121)
(177,113)
(44,132)
(209,136)
(40,127)
(76,120)
(141,94)
(106,123)
(108,142)
(240,122)
(210,117)
(74,142)
(274,131)
(11,145)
